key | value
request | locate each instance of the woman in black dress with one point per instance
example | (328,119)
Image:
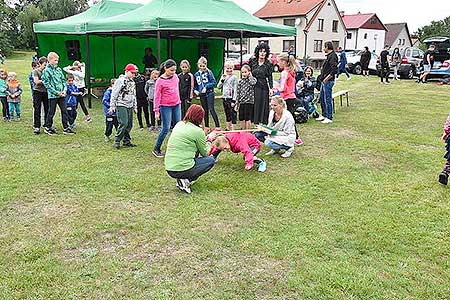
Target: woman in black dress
(262,70)
(365,60)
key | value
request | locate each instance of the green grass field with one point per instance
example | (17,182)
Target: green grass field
(355,213)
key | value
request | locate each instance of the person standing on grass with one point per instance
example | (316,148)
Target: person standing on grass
(327,76)
(287,86)
(78,71)
(229,84)
(150,91)
(245,97)
(72,94)
(40,97)
(55,83)
(428,61)
(342,64)
(34,65)
(110,117)
(3,100)
(14,96)
(142,100)
(167,102)
(186,86)
(396,60)
(443,177)
(123,103)
(187,150)
(204,87)
(281,120)
(262,69)
(384,64)
(366,56)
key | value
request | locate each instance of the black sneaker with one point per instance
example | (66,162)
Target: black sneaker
(69,131)
(49,131)
(37,130)
(116,145)
(158,153)
(129,145)
(443,178)
(184,185)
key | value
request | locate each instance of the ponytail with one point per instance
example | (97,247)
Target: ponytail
(291,62)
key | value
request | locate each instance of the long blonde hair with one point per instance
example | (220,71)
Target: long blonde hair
(291,63)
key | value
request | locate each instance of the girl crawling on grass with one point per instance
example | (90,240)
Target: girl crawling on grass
(239,142)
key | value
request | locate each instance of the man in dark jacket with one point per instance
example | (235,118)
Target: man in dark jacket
(327,77)
(384,64)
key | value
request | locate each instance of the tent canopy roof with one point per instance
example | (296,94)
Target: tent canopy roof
(77,24)
(197,18)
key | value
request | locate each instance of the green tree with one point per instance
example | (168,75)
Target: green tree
(29,15)
(436,28)
(58,9)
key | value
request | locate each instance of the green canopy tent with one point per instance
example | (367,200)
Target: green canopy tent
(179,29)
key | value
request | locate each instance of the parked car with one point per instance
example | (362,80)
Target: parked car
(354,65)
(246,57)
(411,61)
(441,56)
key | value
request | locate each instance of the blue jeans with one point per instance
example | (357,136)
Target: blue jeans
(261,136)
(14,106)
(325,99)
(202,165)
(342,69)
(168,114)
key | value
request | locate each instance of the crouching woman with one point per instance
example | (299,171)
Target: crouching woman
(187,150)
(281,120)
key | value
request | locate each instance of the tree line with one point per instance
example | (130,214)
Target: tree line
(17,18)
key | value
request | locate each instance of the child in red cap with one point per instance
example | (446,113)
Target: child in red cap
(123,102)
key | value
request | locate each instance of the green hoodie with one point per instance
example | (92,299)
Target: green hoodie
(54,81)
(3,86)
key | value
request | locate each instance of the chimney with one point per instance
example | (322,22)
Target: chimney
(342,13)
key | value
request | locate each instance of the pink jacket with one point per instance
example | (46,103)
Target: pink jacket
(166,92)
(287,84)
(241,142)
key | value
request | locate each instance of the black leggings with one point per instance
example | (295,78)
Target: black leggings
(80,100)
(291,103)
(142,106)
(385,72)
(5,110)
(207,102)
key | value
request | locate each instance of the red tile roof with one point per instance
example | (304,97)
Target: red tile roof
(282,8)
(362,21)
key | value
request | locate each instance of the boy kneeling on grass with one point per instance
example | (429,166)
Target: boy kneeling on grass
(240,142)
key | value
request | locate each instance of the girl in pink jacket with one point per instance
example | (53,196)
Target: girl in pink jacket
(443,177)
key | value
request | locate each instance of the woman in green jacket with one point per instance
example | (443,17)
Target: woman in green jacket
(187,150)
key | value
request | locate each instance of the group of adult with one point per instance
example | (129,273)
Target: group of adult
(187,156)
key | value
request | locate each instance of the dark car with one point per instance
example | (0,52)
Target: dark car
(441,66)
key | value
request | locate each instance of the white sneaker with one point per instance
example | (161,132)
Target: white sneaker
(272,152)
(327,121)
(320,118)
(349,78)
(288,153)
(184,185)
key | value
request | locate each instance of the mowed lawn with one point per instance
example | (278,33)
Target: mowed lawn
(355,213)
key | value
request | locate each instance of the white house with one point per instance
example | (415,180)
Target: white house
(364,30)
(316,21)
(398,35)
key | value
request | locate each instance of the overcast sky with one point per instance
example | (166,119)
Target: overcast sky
(415,13)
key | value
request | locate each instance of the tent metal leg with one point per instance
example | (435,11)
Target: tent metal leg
(114,56)
(158,42)
(241,38)
(88,70)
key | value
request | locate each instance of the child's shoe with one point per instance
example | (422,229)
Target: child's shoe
(18,119)
(288,153)
(159,128)
(116,145)
(68,131)
(88,119)
(37,130)
(443,178)
(157,153)
(151,128)
(262,166)
(184,185)
(107,138)
(272,152)
(298,142)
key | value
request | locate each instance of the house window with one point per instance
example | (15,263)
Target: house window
(400,41)
(335,44)
(403,42)
(349,35)
(365,36)
(320,25)
(289,22)
(287,44)
(373,20)
(335,25)
(317,46)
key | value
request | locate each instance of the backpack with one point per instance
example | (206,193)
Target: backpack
(301,115)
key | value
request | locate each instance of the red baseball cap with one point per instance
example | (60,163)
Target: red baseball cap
(132,68)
